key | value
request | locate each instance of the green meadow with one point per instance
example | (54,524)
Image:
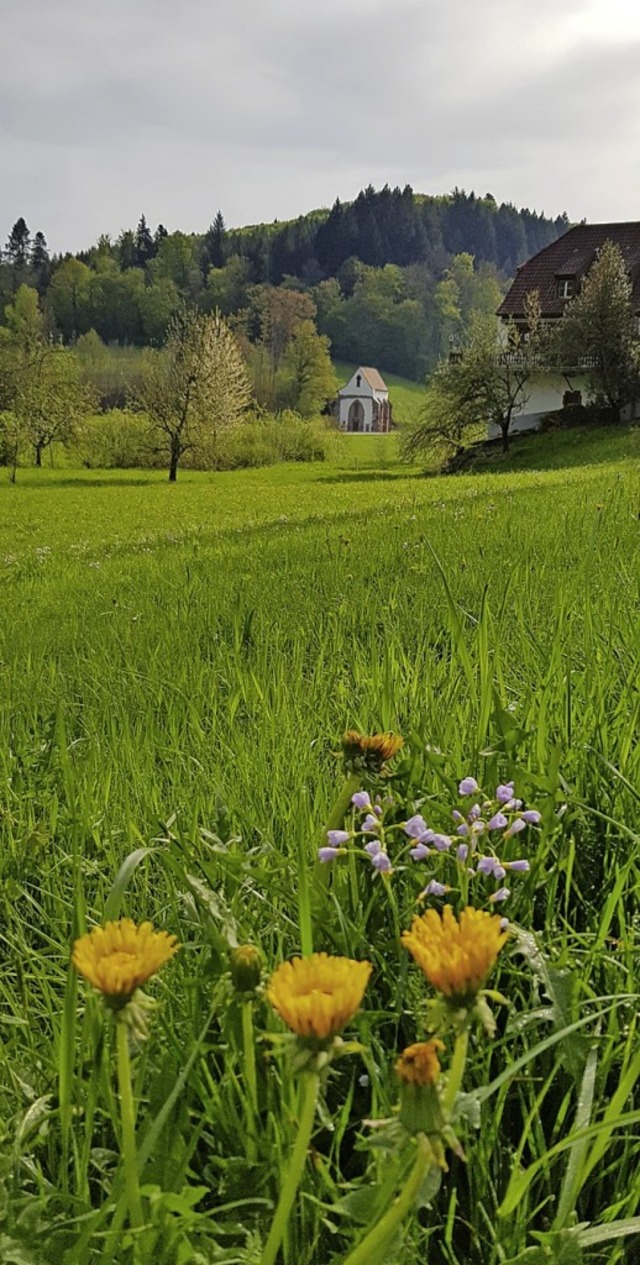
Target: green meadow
(179,664)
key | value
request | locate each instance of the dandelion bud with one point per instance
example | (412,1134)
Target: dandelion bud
(246,968)
(418,1069)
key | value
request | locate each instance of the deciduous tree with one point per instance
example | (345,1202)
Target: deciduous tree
(599,327)
(193,387)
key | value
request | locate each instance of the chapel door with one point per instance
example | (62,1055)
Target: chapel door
(356,416)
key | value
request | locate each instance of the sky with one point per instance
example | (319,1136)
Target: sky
(266,110)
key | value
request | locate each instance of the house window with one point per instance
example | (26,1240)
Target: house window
(358,380)
(565,287)
(572,399)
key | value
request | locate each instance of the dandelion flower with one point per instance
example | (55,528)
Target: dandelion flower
(317,996)
(370,752)
(419,1063)
(120,956)
(456,956)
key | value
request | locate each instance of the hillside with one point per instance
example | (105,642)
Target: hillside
(388,278)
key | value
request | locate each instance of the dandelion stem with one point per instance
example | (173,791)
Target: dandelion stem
(456,1071)
(248,1042)
(127,1117)
(308,1099)
(369,1247)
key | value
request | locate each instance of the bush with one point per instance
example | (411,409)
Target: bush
(267,440)
(118,439)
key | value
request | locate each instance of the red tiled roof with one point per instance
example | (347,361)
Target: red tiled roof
(374,378)
(571,256)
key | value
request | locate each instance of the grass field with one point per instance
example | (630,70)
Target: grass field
(178,666)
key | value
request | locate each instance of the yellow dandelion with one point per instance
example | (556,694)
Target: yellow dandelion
(419,1063)
(318,995)
(370,752)
(456,956)
(120,956)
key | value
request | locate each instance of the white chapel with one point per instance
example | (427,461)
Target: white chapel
(363,404)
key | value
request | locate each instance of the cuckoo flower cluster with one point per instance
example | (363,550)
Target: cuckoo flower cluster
(478,844)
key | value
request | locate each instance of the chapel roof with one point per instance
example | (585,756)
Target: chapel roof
(571,256)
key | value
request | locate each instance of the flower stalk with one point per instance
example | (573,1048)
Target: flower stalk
(128,1122)
(248,1042)
(370,1246)
(308,1098)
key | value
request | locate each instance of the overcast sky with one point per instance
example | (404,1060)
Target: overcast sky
(267,108)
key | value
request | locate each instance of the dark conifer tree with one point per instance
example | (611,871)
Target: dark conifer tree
(18,244)
(40,261)
(214,246)
(144,245)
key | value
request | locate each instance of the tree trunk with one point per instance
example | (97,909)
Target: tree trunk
(38,454)
(505,437)
(173,465)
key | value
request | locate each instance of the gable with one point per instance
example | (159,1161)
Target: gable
(365,381)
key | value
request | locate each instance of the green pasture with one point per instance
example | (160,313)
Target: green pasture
(178,664)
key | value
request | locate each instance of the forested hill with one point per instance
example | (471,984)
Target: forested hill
(396,226)
(388,278)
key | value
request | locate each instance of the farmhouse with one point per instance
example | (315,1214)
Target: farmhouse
(557,273)
(363,404)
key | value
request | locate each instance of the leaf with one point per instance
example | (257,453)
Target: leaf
(113,903)
(561,987)
(216,909)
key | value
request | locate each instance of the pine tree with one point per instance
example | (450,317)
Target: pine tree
(40,261)
(18,243)
(144,245)
(214,246)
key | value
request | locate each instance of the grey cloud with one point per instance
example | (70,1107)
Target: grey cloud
(269,109)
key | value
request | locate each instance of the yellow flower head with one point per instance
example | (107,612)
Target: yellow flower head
(369,752)
(120,956)
(456,956)
(318,995)
(419,1063)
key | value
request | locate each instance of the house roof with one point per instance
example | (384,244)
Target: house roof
(571,256)
(374,378)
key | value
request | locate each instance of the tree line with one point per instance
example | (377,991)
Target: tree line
(388,278)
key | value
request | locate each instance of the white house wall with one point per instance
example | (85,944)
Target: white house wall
(545,395)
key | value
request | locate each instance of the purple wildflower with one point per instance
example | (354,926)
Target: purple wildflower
(374,848)
(415,827)
(474,813)
(441,842)
(468,786)
(336,837)
(532,817)
(456,815)
(498,822)
(434,888)
(486,865)
(462,851)
(504,792)
(328,854)
(370,824)
(519,867)
(381,863)
(478,828)
(463,829)
(502,893)
(504,923)
(361,799)
(514,829)
(419,852)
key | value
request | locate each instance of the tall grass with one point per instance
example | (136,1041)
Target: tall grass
(177,673)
